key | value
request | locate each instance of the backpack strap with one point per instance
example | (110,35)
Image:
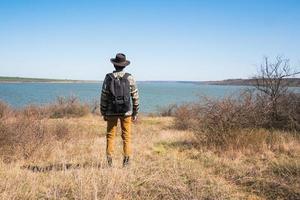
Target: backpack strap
(111,76)
(126,75)
(126,86)
(110,86)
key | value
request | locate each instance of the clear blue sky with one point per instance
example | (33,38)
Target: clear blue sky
(165,40)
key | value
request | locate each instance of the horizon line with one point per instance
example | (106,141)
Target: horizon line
(37,79)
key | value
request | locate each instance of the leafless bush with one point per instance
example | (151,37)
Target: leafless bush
(288,111)
(167,111)
(271,105)
(33,111)
(219,120)
(21,136)
(27,131)
(273,89)
(225,114)
(187,116)
(68,107)
(62,107)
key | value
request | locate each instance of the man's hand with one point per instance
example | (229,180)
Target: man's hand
(134,118)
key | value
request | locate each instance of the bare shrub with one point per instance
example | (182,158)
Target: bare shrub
(33,111)
(21,137)
(293,111)
(225,114)
(287,113)
(219,120)
(273,90)
(68,107)
(186,116)
(271,105)
(62,107)
(167,111)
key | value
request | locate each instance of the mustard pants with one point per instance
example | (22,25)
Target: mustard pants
(112,122)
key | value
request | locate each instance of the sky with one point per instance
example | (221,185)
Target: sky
(187,40)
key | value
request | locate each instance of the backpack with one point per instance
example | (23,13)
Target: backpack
(120,93)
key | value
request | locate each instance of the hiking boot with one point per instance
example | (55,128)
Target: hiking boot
(109,161)
(126,161)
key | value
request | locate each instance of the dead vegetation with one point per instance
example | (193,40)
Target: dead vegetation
(250,139)
(24,132)
(63,107)
(21,137)
(273,93)
(68,107)
(65,159)
(4,110)
(235,120)
(222,121)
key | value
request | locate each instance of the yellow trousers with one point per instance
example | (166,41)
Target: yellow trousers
(112,122)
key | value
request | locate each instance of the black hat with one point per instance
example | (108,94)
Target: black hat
(120,60)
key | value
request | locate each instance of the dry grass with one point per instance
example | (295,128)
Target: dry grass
(68,162)
(33,129)
(4,110)
(63,157)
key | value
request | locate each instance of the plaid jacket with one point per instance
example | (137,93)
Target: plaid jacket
(105,101)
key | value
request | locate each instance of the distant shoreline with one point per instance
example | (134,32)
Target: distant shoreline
(293,82)
(66,82)
(4,79)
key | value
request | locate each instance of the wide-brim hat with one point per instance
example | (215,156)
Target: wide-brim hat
(120,60)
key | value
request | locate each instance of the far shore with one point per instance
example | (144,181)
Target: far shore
(4,79)
(293,82)
(50,82)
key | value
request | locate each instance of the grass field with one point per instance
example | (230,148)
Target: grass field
(166,164)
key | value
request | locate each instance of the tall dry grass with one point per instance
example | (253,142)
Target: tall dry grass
(24,132)
(22,137)
(77,169)
(5,110)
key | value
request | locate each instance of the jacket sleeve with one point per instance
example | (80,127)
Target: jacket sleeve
(134,95)
(104,96)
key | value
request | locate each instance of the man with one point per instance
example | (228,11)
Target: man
(118,90)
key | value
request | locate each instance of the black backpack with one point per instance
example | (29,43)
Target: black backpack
(120,93)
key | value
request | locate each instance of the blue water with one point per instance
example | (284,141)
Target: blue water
(152,94)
